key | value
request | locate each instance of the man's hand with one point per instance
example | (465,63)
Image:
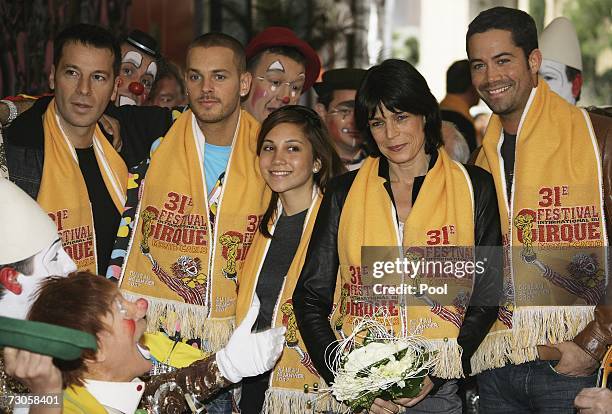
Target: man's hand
(112,127)
(35,371)
(381,406)
(594,401)
(574,361)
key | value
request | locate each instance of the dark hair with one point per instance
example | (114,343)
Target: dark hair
(87,35)
(25,267)
(571,74)
(399,87)
(520,24)
(222,40)
(458,77)
(79,301)
(287,51)
(167,70)
(322,149)
(325,98)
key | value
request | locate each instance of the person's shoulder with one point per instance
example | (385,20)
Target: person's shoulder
(342,182)
(454,116)
(601,118)
(339,186)
(478,174)
(27,129)
(599,112)
(482,182)
(249,121)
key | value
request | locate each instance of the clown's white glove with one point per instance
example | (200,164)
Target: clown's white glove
(248,354)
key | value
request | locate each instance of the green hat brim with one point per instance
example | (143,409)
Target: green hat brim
(46,339)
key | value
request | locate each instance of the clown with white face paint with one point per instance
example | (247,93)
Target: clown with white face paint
(283,67)
(561,59)
(30,250)
(139,54)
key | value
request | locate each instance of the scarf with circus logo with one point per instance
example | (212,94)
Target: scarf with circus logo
(185,266)
(294,381)
(441,218)
(553,229)
(63,193)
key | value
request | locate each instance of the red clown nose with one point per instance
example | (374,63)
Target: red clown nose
(136,88)
(285,100)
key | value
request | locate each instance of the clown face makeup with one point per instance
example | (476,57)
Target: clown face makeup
(19,289)
(138,71)
(126,324)
(277,81)
(555,75)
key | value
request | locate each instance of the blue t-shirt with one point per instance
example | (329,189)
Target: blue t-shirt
(215,162)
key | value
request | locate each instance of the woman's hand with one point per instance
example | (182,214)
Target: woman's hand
(381,406)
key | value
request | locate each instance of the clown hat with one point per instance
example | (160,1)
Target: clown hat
(275,36)
(559,42)
(25,229)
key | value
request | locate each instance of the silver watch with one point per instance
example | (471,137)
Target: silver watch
(12,110)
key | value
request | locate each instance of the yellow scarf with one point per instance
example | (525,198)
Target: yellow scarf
(169,352)
(442,215)
(63,193)
(294,370)
(556,201)
(183,267)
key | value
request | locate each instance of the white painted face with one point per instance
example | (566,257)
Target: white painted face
(52,261)
(555,76)
(138,71)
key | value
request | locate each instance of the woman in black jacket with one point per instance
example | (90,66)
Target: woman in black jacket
(408,193)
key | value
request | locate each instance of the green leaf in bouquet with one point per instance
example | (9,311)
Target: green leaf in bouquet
(411,389)
(365,372)
(362,403)
(369,338)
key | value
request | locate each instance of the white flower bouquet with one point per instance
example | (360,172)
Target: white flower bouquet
(381,366)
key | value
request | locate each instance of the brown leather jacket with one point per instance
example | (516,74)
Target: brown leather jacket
(597,335)
(168,393)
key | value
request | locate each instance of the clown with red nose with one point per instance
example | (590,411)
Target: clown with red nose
(139,54)
(282,67)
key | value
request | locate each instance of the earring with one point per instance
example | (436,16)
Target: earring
(315,170)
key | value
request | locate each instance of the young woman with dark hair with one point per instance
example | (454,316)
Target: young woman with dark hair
(297,161)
